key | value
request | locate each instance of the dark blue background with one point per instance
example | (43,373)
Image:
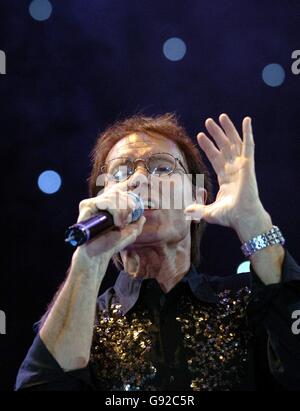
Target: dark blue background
(93,62)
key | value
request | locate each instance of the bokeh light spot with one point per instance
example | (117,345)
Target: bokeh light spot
(174,49)
(40,9)
(273,75)
(243,267)
(49,182)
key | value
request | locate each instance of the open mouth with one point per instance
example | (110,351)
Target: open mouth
(149,204)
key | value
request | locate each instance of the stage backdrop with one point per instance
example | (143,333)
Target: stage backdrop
(70,68)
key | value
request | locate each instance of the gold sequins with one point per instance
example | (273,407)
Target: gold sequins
(214,336)
(119,350)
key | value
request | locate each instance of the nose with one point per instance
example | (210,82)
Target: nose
(140,178)
(140,167)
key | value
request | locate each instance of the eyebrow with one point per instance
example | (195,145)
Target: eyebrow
(131,154)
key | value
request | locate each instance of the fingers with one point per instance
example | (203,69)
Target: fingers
(128,234)
(231,132)
(218,135)
(196,212)
(248,140)
(212,213)
(87,208)
(118,203)
(212,153)
(115,240)
(229,144)
(134,229)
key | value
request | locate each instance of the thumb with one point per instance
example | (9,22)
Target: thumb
(195,211)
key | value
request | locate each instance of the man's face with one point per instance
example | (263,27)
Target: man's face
(165,221)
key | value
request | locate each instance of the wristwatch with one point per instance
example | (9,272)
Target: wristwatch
(271,237)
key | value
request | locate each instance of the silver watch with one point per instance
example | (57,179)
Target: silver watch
(271,237)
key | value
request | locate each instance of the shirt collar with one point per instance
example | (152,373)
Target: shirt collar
(126,290)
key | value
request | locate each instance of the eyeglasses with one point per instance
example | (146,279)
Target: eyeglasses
(159,164)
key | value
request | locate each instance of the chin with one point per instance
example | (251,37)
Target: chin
(148,238)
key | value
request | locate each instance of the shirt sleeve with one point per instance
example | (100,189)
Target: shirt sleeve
(41,372)
(275,306)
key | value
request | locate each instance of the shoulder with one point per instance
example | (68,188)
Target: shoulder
(207,287)
(233,282)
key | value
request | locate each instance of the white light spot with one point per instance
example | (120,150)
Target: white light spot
(49,182)
(40,10)
(273,75)
(174,49)
(244,267)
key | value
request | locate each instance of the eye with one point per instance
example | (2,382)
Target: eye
(162,164)
(162,169)
(119,168)
(120,173)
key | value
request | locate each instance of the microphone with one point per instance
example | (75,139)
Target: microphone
(84,231)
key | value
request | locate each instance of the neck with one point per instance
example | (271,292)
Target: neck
(166,262)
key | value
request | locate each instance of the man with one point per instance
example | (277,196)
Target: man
(165,325)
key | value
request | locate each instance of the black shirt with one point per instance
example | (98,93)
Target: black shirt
(207,333)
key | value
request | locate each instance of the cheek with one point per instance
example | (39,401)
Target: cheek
(181,192)
(175,221)
(181,224)
(170,224)
(188,197)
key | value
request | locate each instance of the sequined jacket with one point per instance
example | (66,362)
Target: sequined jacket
(208,333)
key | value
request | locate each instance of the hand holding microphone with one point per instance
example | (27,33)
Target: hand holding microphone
(93,256)
(103,221)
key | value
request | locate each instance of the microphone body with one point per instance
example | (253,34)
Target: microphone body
(84,231)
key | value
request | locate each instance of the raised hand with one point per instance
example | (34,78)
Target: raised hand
(233,161)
